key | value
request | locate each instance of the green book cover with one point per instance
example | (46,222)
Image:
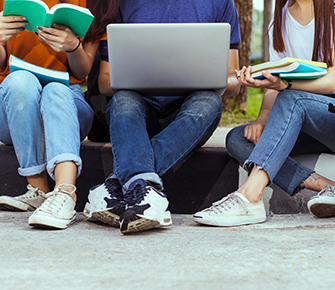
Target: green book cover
(37,13)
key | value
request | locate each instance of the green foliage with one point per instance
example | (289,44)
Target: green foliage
(254,102)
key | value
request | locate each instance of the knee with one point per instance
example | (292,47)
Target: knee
(237,145)
(21,87)
(204,104)
(288,97)
(125,103)
(234,136)
(56,92)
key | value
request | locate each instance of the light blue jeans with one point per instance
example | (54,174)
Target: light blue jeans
(299,123)
(45,125)
(145,144)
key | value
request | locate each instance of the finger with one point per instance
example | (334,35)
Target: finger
(270,77)
(12,18)
(242,74)
(246,131)
(249,135)
(248,76)
(47,30)
(60,26)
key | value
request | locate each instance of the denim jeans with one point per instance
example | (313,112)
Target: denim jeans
(145,145)
(45,125)
(299,123)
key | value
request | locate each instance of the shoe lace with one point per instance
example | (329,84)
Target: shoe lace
(136,194)
(56,199)
(31,193)
(227,203)
(114,188)
(328,190)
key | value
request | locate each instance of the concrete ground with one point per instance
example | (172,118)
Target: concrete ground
(285,252)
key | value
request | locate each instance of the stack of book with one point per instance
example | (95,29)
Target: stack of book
(290,68)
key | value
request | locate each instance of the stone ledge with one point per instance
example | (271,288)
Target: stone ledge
(202,177)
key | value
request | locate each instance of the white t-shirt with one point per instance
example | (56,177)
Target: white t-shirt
(298,39)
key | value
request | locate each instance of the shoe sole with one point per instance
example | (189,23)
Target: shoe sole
(132,223)
(231,222)
(12,204)
(106,216)
(45,222)
(323,210)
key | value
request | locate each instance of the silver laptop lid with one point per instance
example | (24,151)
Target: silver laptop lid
(168,58)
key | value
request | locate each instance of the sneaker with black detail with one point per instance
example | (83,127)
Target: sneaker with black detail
(105,202)
(146,208)
(29,201)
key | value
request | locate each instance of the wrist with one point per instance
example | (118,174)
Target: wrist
(288,84)
(73,50)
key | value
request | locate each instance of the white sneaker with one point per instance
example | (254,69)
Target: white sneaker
(232,211)
(146,208)
(57,212)
(29,201)
(105,202)
(322,205)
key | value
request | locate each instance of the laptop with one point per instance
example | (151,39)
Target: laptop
(168,59)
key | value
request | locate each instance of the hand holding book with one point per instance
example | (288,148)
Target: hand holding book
(272,74)
(59,39)
(37,13)
(269,82)
(290,68)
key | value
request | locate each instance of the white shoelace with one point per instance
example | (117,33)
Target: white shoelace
(31,193)
(56,199)
(226,204)
(328,190)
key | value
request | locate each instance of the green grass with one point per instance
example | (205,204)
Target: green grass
(253,105)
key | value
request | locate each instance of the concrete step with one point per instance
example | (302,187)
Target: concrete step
(202,177)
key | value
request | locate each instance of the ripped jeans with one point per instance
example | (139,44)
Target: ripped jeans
(299,123)
(145,145)
(45,125)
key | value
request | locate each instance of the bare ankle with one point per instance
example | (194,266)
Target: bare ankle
(315,182)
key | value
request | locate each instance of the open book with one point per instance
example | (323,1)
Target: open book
(44,75)
(37,13)
(290,68)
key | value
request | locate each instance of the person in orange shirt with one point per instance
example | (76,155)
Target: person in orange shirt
(46,124)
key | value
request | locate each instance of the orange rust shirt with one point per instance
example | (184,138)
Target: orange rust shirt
(28,47)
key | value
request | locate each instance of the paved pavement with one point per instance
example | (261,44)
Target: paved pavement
(286,252)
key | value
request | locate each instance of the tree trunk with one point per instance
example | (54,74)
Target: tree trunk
(244,9)
(267,14)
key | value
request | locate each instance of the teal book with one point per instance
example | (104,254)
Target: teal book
(295,70)
(303,75)
(78,18)
(44,75)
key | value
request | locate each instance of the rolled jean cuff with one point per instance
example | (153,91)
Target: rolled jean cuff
(63,158)
(32,170)
(148,176)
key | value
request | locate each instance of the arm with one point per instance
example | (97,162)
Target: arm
(324,85)
(233,86)
(60,38)
(104,80)
(254,131)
